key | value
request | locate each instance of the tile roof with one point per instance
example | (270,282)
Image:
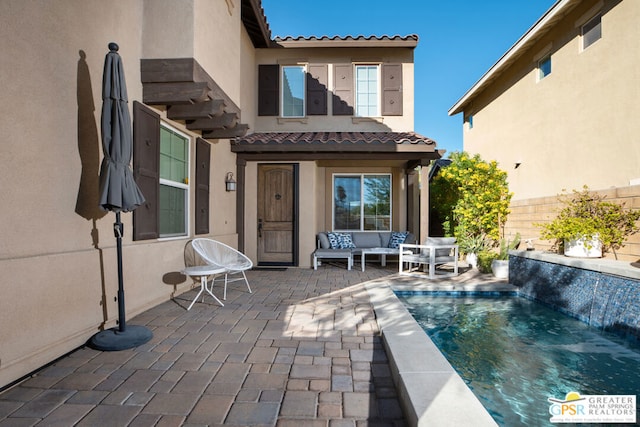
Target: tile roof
(346,138)
(410,40)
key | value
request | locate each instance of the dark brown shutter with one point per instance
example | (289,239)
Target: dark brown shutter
(268,90)
(343,90)
(203,160)
(317,77)
(391,89)
(146,170)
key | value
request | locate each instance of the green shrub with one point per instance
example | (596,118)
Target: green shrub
(484,260)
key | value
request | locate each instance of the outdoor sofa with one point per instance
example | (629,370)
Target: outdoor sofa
(346,245)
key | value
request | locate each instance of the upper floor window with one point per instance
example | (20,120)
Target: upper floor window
(362,202)
(591,31)
(367,90)
(293,91)
(544,67)
(470,121)
(174,183)
(302,90)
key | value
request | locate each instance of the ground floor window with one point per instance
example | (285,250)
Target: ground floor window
(362,202)
(174,183)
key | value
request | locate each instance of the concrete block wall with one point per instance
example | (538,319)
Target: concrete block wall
(525,213)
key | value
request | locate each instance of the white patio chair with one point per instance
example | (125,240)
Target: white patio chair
(435,251)
(217,253)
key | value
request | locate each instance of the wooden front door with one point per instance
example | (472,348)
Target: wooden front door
(276,214)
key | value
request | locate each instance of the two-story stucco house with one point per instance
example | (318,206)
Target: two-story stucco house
(558,111)
(311,131)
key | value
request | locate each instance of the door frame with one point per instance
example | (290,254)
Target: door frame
(295,245)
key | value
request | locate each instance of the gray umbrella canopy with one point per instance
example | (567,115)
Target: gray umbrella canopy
(118,190)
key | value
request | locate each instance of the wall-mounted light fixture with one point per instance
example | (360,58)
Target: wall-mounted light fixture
(517,165)
(229,182)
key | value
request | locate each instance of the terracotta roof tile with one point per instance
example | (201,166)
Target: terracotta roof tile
(274,138)
(410,41)
(413,37)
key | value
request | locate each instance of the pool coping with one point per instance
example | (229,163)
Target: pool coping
(433,394)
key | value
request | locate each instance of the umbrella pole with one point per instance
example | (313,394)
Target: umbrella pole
(117,231)
(120,338)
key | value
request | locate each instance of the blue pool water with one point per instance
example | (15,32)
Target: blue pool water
(515,353)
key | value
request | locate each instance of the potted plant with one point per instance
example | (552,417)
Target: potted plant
(589,226)
(500,265)
(471,246)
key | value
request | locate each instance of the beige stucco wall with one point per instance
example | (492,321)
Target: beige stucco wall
(168,29)
(50,290)
(330,122)
(576,126)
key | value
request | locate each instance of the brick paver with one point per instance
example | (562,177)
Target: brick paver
(302,350)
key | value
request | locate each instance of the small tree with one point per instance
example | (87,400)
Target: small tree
(472,198)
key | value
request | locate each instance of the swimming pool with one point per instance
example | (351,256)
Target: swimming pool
(514,353)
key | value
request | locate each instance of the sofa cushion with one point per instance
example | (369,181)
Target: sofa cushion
(397,238)
(440,241)
(410,239)
(366,239)
(340,241)
(324,240)
(384,238)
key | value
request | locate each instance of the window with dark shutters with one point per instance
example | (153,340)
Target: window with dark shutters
(343,90)
(203,158)
(268,90)
(391,89)
(146,170)
(317,81)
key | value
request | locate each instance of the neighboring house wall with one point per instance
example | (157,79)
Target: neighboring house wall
(573,127)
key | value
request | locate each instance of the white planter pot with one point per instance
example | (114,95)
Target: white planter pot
(583,248)
(472,260)
(500,268)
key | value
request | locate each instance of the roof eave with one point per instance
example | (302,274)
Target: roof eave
(535,32)
(255,22)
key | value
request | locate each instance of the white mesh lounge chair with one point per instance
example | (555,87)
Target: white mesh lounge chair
(435,251)
(217,253)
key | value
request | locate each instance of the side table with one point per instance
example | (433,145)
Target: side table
(204,271)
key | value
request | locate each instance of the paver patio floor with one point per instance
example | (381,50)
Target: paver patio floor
(302,350)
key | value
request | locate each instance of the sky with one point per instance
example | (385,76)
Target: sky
(459,40)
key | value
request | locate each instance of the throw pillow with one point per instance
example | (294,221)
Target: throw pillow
(340,241)
(397,238)
(346,242)
(333,240)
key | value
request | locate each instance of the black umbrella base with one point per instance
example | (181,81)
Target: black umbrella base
(114,340)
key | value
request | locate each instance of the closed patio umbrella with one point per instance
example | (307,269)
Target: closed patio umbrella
(118,190)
